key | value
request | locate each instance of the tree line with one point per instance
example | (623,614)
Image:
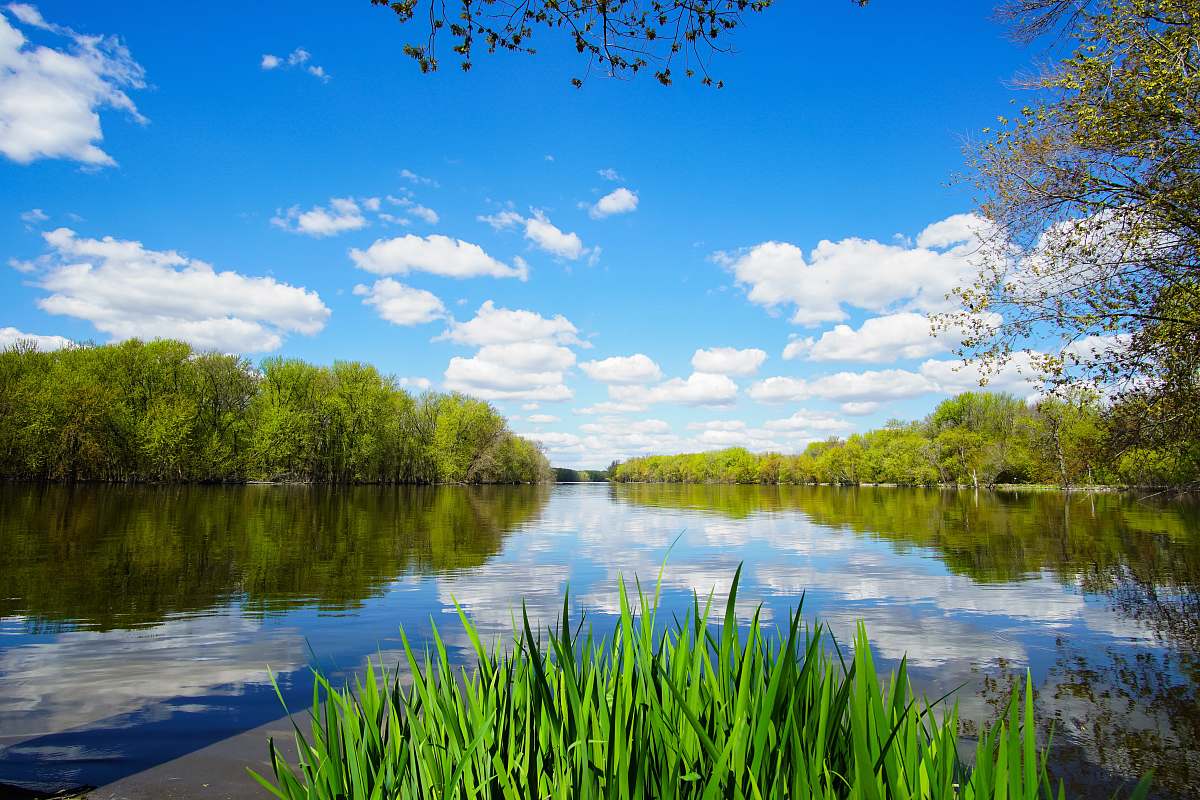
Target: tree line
(162,411)
(974,439)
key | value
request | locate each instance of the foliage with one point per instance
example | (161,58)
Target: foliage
(617,37)
(1093,213)
(159,411)
(688,711)
(974,439)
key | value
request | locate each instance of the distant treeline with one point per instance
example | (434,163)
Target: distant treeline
(975,439)
(161,411)
(564,475)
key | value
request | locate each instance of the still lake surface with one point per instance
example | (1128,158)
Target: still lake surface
(137,624)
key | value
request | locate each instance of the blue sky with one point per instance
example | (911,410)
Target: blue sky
(449,227)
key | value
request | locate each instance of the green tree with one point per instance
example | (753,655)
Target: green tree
(1093,207)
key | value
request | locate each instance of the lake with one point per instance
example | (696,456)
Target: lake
(137,624)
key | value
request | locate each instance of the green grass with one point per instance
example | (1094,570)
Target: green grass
(682,710)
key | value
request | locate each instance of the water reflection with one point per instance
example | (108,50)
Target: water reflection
(109,557)
(1099,595)
(137,623)
(176,599)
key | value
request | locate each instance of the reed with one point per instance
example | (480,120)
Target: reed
(693,709)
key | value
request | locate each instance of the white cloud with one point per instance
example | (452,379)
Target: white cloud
(127,291)
(535,356)
(492,325)
(34,216)
(418,383)
(699,389)
(809,421)
(436,254)
(542,419)
(10,336)
(50,98)
(521,355)
(860,273)
(545,235)
(862,392)
(611,407)
(502,220)
(879,339)
(489,380)
(400,304)
(424,213)
(954,376)
(343,214)
(637,368)
(609,174)
(717,425)
(871,385)
(297,58)
(618,201)
(419,211)
(779,390)
(859,409)
(728,360)
(843,386)
(413,177)
(633,426)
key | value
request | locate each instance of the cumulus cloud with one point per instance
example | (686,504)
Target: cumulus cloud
(342,214)
(809,421)
(50,98)
(487,380)
(888,384)
(493,325)
(127,290)
(435,254)
(609,174)
(541,232)
(953,376)
(859,409)
(699,389)
(860,273)
(522,355)
(298,58)
(728,360)
(400,304)
(548,237)
(637,368)
(862,392)
(880,339)
(618,201)
(12,336)
(779,389)
(542,419)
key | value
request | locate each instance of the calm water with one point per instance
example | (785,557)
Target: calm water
(137,624)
